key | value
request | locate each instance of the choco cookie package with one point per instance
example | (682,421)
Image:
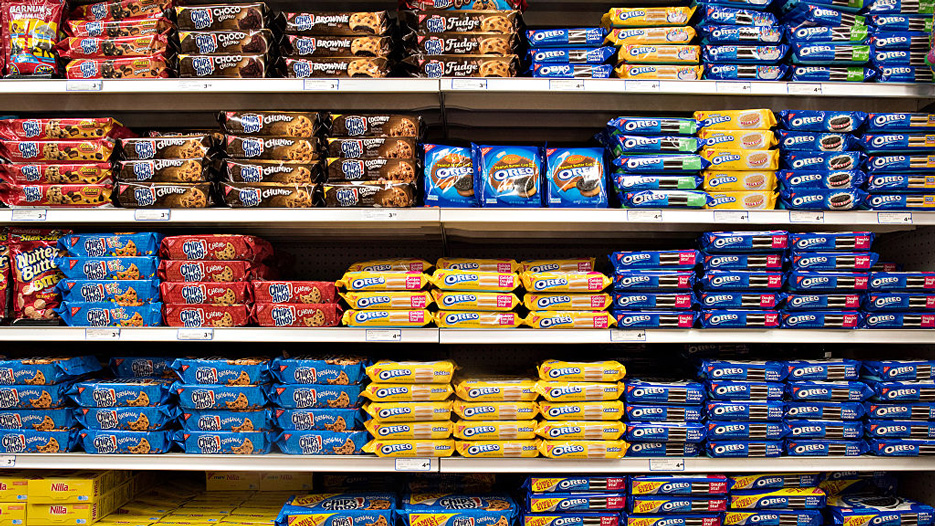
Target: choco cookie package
(224,40)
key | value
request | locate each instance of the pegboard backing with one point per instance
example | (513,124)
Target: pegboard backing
(914,249)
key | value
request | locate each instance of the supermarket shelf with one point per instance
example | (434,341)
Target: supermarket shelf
(583,336)
(690,465)
(236,334)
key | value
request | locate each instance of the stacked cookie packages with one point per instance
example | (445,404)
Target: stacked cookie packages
(552,501)
(451,38)
(336,44)
(476,293)
(34,416)
(117,39)
(166,170)
(372,160)
(581,410)
(206,278)
(387,293)
(295,304)
(565,294)
(224,40)
(654,42)
(317,404)
(110,280)
(569,53)
(58,162)
(272,159)
(742,41)
(410,412)
(33,274)
(223,405)
(497,417)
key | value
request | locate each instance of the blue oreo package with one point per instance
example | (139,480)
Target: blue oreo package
(826,369)
(121,292)
(807,302)
(691,432)
(646,280)
(679,485)
(905,73)
(108,268)
(655,259)
(849,6)
(653,300)
(220,396)
(740,319)
(743,241)
(714,14)
(507,176)
(726,34)
(108,442)
(739,410)
(812,141)
(743,54)
(900,201)
(822,121)
(852,34)
(664,449)
(824,410)
(571,71)
(141,366)
(825,161)
(719,280)
(571,55)
(647,319)
(581,518)
(900,429)
(292,396)
(574,178)
(32,441)
(549,502)
(448,176)
(663,413)
(768,371)
(819,319)
(820,180)
(746,430)
(37,419)
(622,144)
(624,182)
(536,484)
(832,73)
(918,162)
(898,370)
(823,199)
(822,241)
(896,142)
(653,125)
(223,420)
(121,392)
(891,411)
(681,392)
(328,369)
(902,281)
(650,504)
(321,442)
(901,22)
(244,371)
(777,481)
(881,122)
(897,182)
(662,162)
(739,72)
(830,282)
(110,244)
(898,448)
(582,36)
(46,371)
(223,442)
(824,448)
(773,518)
(318,419)
(763,499)
(127,418)
(828,391)
(818,15)
(833,260)
(890,40)
(825,429)
(110,315)
(903,391)
(744,390)
(741,448)
(742,261)
(883,58)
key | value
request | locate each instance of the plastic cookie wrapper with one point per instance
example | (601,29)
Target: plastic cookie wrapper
(569,320)
(564,302)
(127,418)
(495,429)
(121,392)
(110,245)
(497,448)
(663,449)
(379,281)
(108,268)
(650,35)
(740,319)
(629,183)
(407,372)
(202,397)
(243,371)
(654,259)
(821,141)
(715,14)
(606,371)
(96,441)
(293,292)
(737,139)
(658,72)
(535,266)
(315,419)
(391,265)
(654,126)
(495,410)
(583,449)
(652,300)
(589,410)
(679,485)
(718,280)
(297,314)
(551,38)
(622,144)
(823,199)
(654,319)
(321,442)
(387,318)
(436,430)
(580,429)
(833,73)
(409,411)
(659,54)
(742,448)
(742,54)
(570,55)
(729,34)
(564,281)
(453,279)
(745,72)
(647,17)
(664,199)
(392,300)
(319,369)
(224,420)
(751,200)
(744,241)
(746,430)
(41,419)
(477,320)
(484,265)
(299,396)
(46,370)
(475,301)
(406,392)
(224,442)
(739,181)
(559,484)
(762,119)
(553,391)
(772,262)
(410,448)
(895,182)
(496,389)
(821,180)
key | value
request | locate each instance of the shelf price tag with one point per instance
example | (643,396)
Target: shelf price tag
(731,216)
(7,461)
(895,218)
(200,333)
(321,85)
(618,335)
(641,85)
(468,83)
(102,333)
(84,85)
(803,88)
(413,464)
(28,214)
(370,215)
(566,84)
(667,464)
(643,216)
(733,87)
(194,85)
(806,216)
(383,335)
(149,214)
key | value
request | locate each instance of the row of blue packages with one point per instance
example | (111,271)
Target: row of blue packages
(46,370)
(104,314)
(794,448)
(824,369)
(329,369)
(108,268)
(110,244)
(775,411)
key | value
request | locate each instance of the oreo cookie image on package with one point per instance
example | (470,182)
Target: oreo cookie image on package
(574,178)
(507,176)
(449,176)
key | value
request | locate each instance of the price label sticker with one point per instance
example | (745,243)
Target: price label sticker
(617,335)
(321,84)
(413,464)
(894,218)
(28,214)
(806,216)
(84,85)
(667,464)
(383,335)
(102,333)
(380,214)
(196,334)
(803,88)
(731,216)
(644,216)
(733,87)
(566,84)
(151,214)
(195,85)
(641,85)
(468,84)
(7,461)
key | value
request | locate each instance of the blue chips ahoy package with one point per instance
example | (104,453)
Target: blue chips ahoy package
(452,509)
(224,442)
(321,442)
(289,396)
(220,396)
(110,245)
(574,178)
(449,176)
(33,396)
(108,268)
(340,509)
(126,418)
(46,370)
(96,441)
(141,366)
(37,419)
(328,369)
(122,292)
(110,315)
(121,392)
(32,441)
(507,176)
(224,371)
(223,420)
(318,419)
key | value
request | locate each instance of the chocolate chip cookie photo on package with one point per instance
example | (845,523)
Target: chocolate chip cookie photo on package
(248,171)
(301,46)
(57,195)
(218,17)
(223,66)
(375,125)
(267,195)
(354,67)
(226,42)
(270,123)
(468,21)
(435,66)
(462,43)
(24,174)
(382,170)
(507,176)
(575,178)
(145,148)
(448,176)
(153,66)
(371,148)
(164,195)
(272,148)
(369,194)
(163,171)
(335,23)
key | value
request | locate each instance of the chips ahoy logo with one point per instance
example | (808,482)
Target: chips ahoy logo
(194,294)
(105,444)
(310,444)
(251,123)
(209,444)
(106,419)
(9,398)
(104,397)
(94,270)
(203,66)
(192,317)
(433,69)
(305,375)
(192,271)
(145,149)
(94,29)
(206,375)
(31,128)
(195,249)
(305,398)
(249,197)
(252,147)
(251,174)
(206,43)
(99,11)
(28,150)
(203,398)
(31,172)
(11,421)
(98,317)
(89,45)
(32,193)
(355,125)
(352,170)
(201,18)
(209,423)
(283,316)
(302,69)
(144,196)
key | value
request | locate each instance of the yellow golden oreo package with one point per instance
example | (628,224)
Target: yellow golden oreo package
(606,371)
(495,429)
(572,301)
(658,72)
(475,301)
(387,318)
(391,265)
(409,411)
(569,319)
(558,265)
(406,392)
(477,320)
(436,430)
(411,372)
(486,265)
(387,299)
(762,119)
(581,429)
(650,35)
(495,410)
(581,449)
(410,448)
(383,281)
(474,280)
(553,391)
(604,410)
(497,448)
(659,54)
(496,389)
(727,159)
(751,200)
(738,139)
(647,16)
(738,180)
(564,281)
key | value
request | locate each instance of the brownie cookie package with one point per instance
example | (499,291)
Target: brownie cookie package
(336,44)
